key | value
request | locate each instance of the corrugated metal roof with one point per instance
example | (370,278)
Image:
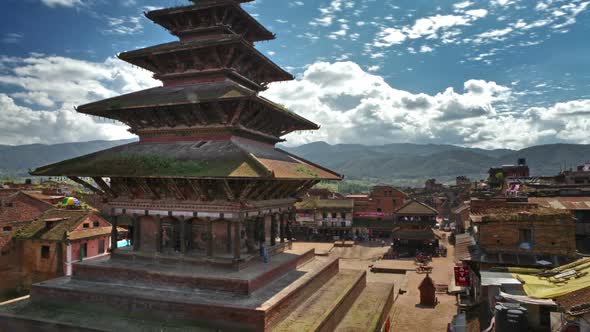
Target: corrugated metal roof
(498,278)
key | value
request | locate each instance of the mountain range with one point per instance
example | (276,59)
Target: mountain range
(401,164)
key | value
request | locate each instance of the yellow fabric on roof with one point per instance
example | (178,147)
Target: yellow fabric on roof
(539,288)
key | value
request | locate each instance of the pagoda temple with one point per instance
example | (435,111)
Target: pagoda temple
(207,197)
(205,179)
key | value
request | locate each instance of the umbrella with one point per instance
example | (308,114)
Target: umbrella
(70,201)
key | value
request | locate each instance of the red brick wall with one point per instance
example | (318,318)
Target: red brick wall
(386,198)
(549,237)
(23,209)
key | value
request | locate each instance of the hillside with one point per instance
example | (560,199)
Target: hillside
(15,161)
(402,164)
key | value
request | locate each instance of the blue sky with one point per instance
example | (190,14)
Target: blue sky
(486,73)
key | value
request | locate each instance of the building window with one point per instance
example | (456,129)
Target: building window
(378,209)
(525,236)
(95,224)
(45,252)
(325,215)
(101,246)
(7,228)
(334,215)
(86,225)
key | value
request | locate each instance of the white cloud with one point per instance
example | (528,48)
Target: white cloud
(51,86)
(432,27)
(463,5)
(65,3)
(12,38)
(355,106)
(426,49)
(22,125)
(124,25)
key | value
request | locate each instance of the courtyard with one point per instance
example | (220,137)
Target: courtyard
(407,314)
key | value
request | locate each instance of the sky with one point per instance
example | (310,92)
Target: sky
(477,73)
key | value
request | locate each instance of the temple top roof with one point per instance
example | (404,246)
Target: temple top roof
(187,19)
(234,158)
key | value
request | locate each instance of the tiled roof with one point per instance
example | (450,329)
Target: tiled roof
(158,15)
(575,303)
(63,221)
(24,208)
(311,203)
(91,232)
(235,158)
(186,95)
(565,203)
(416,208)
(136,57)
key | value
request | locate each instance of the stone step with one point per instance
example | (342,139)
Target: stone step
(369,312)
(324,309)
(190,276)
(207,308)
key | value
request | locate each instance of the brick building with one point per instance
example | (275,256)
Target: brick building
(526,238)
(325,218)
(17,209)
(498,174)
(53,241)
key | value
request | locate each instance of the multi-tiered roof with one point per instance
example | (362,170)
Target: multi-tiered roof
(207,120)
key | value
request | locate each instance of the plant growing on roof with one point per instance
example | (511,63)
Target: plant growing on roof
(305,170)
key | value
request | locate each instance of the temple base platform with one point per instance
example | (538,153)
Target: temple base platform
(295,291)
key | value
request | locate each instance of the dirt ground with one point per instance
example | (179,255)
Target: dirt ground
(407,314)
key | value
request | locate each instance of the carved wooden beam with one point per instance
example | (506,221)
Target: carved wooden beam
(267,189)
(173,187)
(239,108)
(290,188)
(229,57)
(238,62)
(194,185)
(217,56)
(123,184)
(224,16)
(104,186)
(257,118)
(200,114)
(143,185)
(218,109)
(258,189)
(306,187)
(247,190)
(215,16)
(87,185)
(228,191)
(274,194)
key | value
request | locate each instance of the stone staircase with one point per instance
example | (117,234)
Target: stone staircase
(309,295)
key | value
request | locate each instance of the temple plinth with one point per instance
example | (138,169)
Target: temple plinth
(207,197)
